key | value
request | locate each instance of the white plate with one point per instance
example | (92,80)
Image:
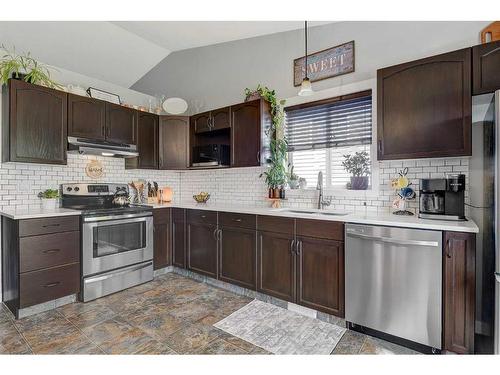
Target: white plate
(175,106)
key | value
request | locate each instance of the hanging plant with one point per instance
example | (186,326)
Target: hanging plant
(276,175)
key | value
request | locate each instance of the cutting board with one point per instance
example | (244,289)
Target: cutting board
(491,32)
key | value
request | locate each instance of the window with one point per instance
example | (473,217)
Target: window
(320,133)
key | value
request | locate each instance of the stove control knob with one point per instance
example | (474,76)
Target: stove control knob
(77,188)
(69,188)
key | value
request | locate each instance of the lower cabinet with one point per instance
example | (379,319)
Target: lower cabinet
(162,237)
(202,248)
(179,237)
(320,274)
(276,265)
(40,260)
(459,254)
(237,256)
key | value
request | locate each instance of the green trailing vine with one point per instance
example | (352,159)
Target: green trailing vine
(276,174)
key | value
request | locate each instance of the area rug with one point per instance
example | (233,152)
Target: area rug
(281,331)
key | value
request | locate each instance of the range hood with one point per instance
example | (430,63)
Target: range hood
(86,146)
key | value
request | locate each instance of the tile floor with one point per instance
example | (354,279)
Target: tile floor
(170,315)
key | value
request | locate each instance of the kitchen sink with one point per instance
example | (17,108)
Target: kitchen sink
(317,212)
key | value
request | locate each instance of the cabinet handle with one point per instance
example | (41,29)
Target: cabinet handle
(215,234)
(219,234)
(50,225)
(299,248)
(203,216)
(292,247)
(160,163)
(380,145)
(108,131)
(447,249)
(237,220)
(51,285)
(103,131)
(258,157)
(51,251)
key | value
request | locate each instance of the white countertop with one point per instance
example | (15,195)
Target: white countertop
(355,217)
(33,213)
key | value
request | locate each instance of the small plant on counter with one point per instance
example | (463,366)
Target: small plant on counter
(49,198)
(359,166)
(276,174)
(25,68)
(293,179)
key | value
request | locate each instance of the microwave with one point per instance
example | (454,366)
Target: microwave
(213,155)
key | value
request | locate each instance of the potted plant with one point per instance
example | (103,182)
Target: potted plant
(359,166)
(293,179)
(276,174)
(25,68)
(49,198)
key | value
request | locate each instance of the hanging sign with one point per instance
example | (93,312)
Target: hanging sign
(328,63)
(94,169)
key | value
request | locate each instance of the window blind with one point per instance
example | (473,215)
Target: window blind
(325,125)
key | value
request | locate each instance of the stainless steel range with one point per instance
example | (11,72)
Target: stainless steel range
(117,238)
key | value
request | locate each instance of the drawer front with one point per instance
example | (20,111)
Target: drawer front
(231,219)
(330,230)
(49,284)
(49,250)
(161,215)
(202,217)
(35,227)
(276,224)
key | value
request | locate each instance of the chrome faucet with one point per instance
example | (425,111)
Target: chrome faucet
(322,202)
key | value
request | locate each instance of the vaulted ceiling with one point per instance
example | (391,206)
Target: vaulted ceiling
(123,52)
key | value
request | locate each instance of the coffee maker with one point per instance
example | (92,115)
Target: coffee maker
(442,198)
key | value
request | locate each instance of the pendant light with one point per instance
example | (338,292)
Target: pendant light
(305,86)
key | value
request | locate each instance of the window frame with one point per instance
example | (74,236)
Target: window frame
(332,95)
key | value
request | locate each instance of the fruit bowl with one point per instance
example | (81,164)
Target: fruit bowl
(201,197)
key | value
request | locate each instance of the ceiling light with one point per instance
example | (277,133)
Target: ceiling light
(305,86)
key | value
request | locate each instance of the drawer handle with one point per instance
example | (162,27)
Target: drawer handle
(237,220)
(50,225)
(203,216)
(51,251)
(51,285)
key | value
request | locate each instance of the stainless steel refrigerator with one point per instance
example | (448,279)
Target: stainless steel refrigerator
(484,209)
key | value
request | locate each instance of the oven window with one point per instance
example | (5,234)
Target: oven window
(119,238)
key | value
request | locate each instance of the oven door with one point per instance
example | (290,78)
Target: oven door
(112,242)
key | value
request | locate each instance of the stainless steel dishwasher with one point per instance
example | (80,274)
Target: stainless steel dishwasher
(393,281)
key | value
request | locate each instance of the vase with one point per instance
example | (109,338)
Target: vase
(276,193)
(50,204)
(359,182)
(294,184)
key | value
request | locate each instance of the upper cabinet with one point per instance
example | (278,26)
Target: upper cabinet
(214,120)
(424,108)
(486,68)
(86,117)
(246,133)
(173,142)
(121,124)
(34,123)
(147,143)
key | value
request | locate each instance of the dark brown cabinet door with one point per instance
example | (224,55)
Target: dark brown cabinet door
(147,143)
(237,256)
(179,237)
(35,130)
(486,68)
(121,124)
(276,265)
(320,275)
(246,134)
(424,107)
(221,119)
(201,122)
(86,117)
(202,248)
(173,142)
(162,240)
(459,292)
